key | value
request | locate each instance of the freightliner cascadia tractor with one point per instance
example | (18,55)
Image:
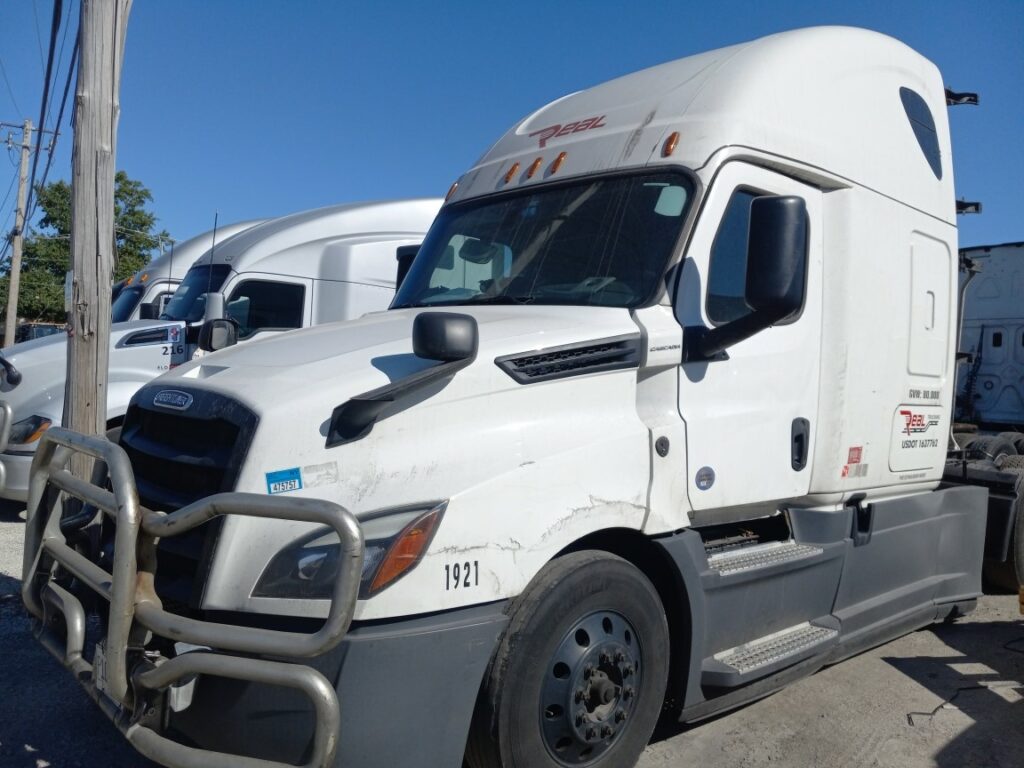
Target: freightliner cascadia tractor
(656,421)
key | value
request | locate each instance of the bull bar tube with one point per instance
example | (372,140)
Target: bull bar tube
(125,694)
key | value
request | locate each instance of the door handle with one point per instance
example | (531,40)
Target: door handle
(800,443)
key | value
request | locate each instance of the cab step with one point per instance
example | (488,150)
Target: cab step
(761,556)
(768,654)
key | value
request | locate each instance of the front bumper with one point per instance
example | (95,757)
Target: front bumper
(130,673)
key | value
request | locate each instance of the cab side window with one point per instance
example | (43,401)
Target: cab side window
(260,305)
(727,273)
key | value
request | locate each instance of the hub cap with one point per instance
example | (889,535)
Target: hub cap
(590,686)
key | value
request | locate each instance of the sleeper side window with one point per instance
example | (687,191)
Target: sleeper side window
(727,273)
(263,305)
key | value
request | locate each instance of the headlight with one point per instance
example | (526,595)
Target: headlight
(394,544)
(28,430)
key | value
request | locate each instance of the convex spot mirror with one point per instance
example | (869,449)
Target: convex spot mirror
(444,336)
(218,333)
(775,275)
(149,311)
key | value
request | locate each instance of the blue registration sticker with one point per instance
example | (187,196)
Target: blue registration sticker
(284,480)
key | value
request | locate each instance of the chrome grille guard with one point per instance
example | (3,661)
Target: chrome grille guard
(126,679)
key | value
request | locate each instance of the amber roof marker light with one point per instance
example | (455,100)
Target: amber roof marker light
(511,172)
(556,163)
(533,167)
(670,144)
(451,191)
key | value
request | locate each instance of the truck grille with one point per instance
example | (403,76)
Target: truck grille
(178,457)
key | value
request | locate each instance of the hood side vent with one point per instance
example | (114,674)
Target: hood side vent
(596,356)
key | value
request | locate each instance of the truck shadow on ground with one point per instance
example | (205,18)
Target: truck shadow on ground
(45,718)
(981,679)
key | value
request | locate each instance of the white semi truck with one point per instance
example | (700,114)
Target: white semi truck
(657,420)
(307,268)
(143,295)
(988,440)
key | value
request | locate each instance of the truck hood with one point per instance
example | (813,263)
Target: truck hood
(43,364)
(341,360)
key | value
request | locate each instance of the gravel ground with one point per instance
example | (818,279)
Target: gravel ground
(945,697)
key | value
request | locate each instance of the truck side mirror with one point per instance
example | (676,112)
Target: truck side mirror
(404,254)
(149,311)
(775,279)
(444,336)
(776,256)
(214,308)
(218,333)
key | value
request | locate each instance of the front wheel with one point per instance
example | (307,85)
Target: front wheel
(579,676)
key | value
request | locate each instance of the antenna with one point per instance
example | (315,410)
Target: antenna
(213,244)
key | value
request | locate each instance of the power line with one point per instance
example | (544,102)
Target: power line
(39,39)
(60,60)
(56,125)
(54,29)
(9,89)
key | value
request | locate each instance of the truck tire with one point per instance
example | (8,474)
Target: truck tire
(1010,463)
(1015,438)
(989,447)
(579,676)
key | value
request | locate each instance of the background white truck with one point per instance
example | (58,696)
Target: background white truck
(143,294)
(307,268)
(657,420)
(988,442)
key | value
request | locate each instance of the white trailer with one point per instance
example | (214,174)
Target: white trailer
(307,268)
(992,388)
(657,420)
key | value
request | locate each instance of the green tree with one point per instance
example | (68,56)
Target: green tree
(46,255)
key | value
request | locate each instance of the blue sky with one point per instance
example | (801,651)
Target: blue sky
(259,108)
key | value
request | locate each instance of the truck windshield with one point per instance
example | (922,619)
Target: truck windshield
(603,241)
(189,301)
(125,302)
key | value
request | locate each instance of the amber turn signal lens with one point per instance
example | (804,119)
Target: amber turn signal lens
(670,144)
(406,550)
(557,163)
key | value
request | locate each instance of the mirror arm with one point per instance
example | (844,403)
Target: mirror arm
(702,344)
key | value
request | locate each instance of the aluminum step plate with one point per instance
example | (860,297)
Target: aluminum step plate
(772,648)
(761,556)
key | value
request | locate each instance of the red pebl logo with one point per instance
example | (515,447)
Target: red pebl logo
(553,131)
(915,423)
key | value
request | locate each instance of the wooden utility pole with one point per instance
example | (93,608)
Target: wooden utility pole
(97,107)
(19,237)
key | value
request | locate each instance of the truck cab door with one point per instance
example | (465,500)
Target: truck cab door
(268,303)
(750,412)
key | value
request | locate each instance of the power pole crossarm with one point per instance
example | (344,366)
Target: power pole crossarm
(19,237)
(103,27)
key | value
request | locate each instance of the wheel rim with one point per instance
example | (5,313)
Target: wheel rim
(590,688)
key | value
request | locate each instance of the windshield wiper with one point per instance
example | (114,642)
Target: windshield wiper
(501,299)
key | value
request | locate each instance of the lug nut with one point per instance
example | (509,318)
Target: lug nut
(591,733)
(579,719)
(606,731)
(628,670)
(603,658)
(619,657)
(627,692)
(588,671)
(578,696)
(620,716)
